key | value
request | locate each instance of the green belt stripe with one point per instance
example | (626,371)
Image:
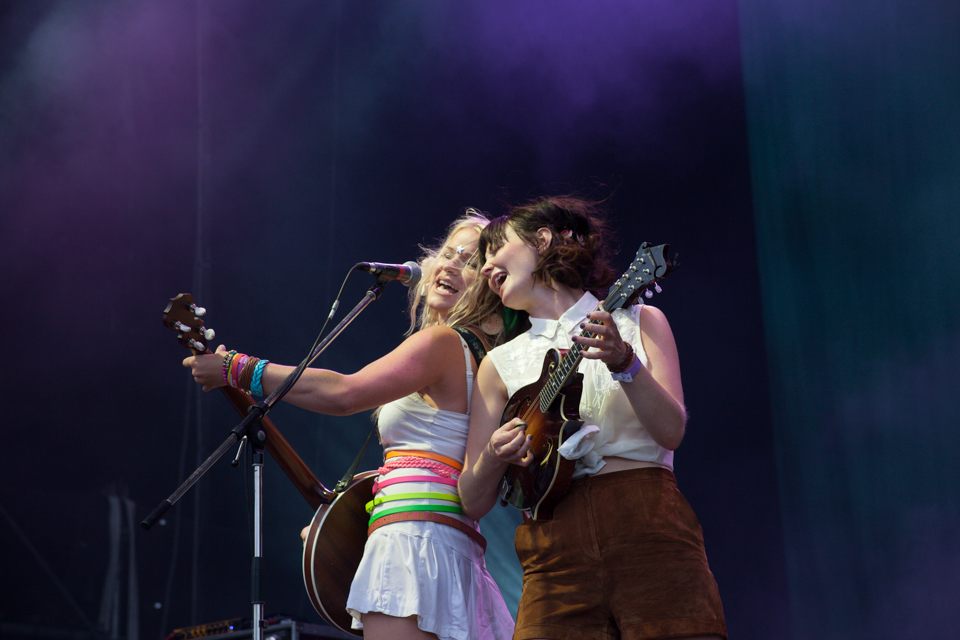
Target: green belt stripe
(412,496)
(419,507)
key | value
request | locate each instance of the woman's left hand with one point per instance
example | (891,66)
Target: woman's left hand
(606,345)
(207,368)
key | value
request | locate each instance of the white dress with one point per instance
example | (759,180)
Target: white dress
(429,570)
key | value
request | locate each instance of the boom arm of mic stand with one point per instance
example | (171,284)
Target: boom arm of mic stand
(260,410)
(373,293)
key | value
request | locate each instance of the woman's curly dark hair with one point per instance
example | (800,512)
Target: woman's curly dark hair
(580,252)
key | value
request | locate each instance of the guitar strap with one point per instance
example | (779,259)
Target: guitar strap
(352,471)
(476,347)
(472,345)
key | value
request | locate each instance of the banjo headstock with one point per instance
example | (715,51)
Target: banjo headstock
(184,316)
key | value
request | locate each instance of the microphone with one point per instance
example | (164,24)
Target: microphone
(408,273)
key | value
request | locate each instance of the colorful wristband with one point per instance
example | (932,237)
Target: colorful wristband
(256,386)
(235,368)
(627,376)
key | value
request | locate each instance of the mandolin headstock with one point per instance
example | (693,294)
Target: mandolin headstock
(650,265)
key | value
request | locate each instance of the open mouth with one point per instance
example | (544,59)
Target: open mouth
(443,285)
(497,280)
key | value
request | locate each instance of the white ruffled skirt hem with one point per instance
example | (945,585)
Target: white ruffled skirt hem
(434,572)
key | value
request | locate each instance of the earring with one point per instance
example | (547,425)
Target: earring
(492,324)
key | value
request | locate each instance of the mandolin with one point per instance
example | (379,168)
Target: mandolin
(550,406)
(338,532)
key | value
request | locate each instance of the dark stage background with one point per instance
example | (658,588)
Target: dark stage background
(801,158)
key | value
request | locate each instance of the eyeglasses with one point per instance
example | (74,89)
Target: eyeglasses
(456,260)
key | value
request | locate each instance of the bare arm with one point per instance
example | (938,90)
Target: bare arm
(490,446)
(420,362)
(656,393)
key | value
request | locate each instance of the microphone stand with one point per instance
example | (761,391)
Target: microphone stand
(249,430)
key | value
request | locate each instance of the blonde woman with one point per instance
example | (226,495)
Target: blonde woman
(424,575)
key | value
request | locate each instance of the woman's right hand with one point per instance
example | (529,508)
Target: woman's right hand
(207,368)
(511,444)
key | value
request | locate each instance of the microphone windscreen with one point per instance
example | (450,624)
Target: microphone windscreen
(415,273)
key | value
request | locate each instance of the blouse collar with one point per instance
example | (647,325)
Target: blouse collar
(570,320)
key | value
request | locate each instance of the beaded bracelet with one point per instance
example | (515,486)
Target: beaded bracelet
(227,358)
(255,385)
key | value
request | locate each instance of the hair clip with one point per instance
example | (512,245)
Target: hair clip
(568,234)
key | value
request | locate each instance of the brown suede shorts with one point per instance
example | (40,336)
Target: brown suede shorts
(623,557)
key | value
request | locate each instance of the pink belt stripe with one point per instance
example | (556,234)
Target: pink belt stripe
(386,483)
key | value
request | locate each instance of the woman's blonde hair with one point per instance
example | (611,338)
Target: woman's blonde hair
(476,304)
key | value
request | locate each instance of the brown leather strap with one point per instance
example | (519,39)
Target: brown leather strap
(430,516)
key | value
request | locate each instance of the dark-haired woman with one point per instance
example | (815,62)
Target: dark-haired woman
(623,555)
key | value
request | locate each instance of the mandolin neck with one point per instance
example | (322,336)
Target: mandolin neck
(571,360)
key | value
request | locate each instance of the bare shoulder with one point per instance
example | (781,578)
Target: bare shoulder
(652,319)
(655,332)
(435,335)
(489,378)
(424,346)
(438,342)
(439,331)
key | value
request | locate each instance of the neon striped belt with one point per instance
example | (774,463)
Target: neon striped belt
(422,512)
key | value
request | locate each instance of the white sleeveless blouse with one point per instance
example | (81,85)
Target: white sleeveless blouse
(520,362)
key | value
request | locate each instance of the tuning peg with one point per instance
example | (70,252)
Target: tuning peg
(198,311)
(656,287)
(209,334)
